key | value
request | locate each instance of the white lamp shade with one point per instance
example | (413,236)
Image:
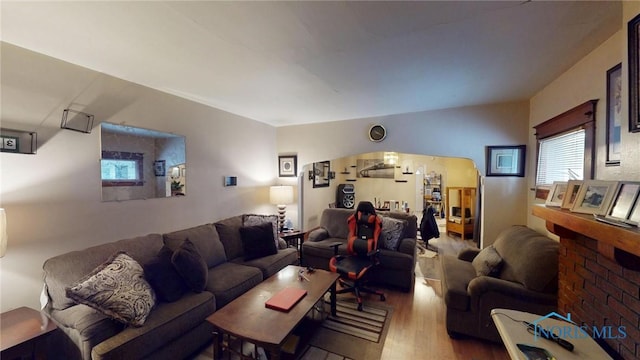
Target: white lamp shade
(281,195)
(3,232)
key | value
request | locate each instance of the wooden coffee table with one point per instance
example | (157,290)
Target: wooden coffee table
(248,319)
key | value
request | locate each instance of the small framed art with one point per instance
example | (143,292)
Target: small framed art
(623,200)
(506,160)
(573,188)
(288,166)
(557,194)
(159,168)
(594,197)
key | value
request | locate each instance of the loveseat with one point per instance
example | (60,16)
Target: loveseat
(518,271)
(175,328)
(397,246)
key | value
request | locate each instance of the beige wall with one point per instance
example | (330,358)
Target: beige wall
(52,199)
(460,132)
(584,81)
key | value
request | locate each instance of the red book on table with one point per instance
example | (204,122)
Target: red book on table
(285,299)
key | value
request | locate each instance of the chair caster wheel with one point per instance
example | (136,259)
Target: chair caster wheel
(359,307)
(382,298)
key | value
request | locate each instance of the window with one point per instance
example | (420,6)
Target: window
(566,147)
(561,158)
(119,168)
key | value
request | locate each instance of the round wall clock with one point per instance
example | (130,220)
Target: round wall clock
(377,133)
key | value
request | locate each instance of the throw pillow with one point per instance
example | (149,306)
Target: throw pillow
(257,241)
(252,219)
(116,288)
(163,276)
(392,232)
(190,265)
(487,262)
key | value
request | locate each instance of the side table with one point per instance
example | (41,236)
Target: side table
(513,332)
(24,333)
(294,238)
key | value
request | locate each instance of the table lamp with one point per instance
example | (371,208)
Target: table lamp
(281,195)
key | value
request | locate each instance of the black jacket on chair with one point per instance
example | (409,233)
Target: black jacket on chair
(428,225)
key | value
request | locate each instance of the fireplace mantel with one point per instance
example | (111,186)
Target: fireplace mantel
(566,224)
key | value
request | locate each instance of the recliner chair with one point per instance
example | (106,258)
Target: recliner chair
(362,248)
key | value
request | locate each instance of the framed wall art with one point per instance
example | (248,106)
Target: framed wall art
(288,166)
(506,160)
(633,32)
(594,197)
(159,168)
(320,174)
(614,114)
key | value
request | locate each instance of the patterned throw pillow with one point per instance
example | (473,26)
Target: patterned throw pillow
(487,262)
(253,219)
(392,232)
(118,289)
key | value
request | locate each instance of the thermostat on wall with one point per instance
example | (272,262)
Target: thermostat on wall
(377,133)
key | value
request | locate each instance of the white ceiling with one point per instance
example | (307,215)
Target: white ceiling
(287,63)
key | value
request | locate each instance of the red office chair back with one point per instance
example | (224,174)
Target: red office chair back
(364,230)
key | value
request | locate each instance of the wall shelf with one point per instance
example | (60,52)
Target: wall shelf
(18,141)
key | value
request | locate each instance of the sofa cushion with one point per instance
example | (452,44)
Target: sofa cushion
(63,271)
(229,232)
(257,241)
(271,264)
(166,323)
(392,232)
(487,262)
(190,265)
(163,277)
(118,289)
(253,219)
(334,220)
(528,258)
(206,240)
(229,280)
(456,275)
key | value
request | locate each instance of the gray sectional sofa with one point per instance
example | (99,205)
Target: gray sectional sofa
(397,262)
(173,329)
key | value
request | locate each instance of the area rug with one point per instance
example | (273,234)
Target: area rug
(352,334)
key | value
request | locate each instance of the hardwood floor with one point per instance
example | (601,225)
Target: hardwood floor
(417,329)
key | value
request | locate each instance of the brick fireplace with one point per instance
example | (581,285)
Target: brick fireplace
(593,286)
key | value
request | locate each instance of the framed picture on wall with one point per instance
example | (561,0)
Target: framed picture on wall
(633,32)
(614,114)
(288,166)
(159,168)
(506,160)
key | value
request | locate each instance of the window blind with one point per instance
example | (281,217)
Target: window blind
(561,158)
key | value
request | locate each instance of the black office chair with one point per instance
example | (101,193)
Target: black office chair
(362,248)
